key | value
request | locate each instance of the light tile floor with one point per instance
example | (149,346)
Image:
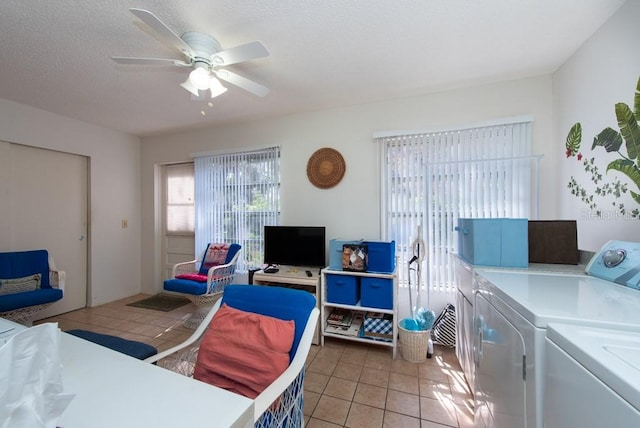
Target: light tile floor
(347,384)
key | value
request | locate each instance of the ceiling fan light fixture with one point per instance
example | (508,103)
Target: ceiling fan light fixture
(214,83)
(216,92)
(199,77)
(216,87)
(189,87)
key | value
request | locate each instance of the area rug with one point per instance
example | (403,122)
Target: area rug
(160,302)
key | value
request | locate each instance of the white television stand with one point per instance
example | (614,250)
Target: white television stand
(294,277)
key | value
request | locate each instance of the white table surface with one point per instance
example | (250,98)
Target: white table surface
(115,390)
(8,329)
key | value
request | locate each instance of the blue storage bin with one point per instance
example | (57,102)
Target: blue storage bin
(479,240)
(501,242)
(335,252)
(343,289)
(514,243)
(381,256)
(376,293)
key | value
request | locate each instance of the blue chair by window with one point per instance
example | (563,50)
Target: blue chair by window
(203,280)
(280,403)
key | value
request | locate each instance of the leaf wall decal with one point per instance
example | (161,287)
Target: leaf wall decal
(573,139)
(629,129)
(636,103)
(626,167)
(609,138)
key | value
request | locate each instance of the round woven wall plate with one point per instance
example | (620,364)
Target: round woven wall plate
(325,168)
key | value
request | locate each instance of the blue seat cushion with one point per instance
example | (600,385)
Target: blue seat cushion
(10,302)
(278,302)
(185,286)
(132,348)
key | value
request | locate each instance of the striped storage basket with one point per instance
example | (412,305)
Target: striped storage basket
(443,331)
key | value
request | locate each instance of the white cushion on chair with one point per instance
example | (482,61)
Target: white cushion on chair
(20,285)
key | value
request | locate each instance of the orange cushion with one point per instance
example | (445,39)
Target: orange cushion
(244,352)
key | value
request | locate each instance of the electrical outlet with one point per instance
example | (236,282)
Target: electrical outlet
(125,223)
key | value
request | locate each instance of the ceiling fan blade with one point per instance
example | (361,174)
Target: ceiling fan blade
(161,28)
(242,82)
(148,61)
(253,50)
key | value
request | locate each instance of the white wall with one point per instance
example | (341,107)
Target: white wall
(122,177)
(114,256)
(351,209)
(586,88)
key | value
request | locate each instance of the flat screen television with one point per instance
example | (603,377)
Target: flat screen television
(294,245)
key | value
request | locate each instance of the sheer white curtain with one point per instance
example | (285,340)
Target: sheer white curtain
(430,179)
(179,199)
(236,195)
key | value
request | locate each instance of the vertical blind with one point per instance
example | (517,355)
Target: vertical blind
(237,194)
(431,179)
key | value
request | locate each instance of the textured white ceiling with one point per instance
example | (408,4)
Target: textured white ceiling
(55,55)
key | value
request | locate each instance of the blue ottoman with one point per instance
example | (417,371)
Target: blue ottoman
(132,348)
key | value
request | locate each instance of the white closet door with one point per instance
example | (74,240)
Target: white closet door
(48,209)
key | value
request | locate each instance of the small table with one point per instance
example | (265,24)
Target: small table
(115,390)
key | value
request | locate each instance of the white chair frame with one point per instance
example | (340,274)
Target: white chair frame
(288,387)
(218,277)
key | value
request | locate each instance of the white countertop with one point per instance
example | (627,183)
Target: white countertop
(540,268)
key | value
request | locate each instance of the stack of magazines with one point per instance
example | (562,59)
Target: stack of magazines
(345,322)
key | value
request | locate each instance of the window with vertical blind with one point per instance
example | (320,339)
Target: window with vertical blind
(180,200)
(430,179)
(237,194)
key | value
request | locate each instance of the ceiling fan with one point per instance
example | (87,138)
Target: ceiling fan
(204,55)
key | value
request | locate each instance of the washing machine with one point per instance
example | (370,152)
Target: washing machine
(512,310)
(593,377)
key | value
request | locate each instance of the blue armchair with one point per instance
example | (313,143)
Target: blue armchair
(203,280)
(29,282)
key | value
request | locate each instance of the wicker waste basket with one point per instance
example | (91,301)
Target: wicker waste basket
(414,344)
